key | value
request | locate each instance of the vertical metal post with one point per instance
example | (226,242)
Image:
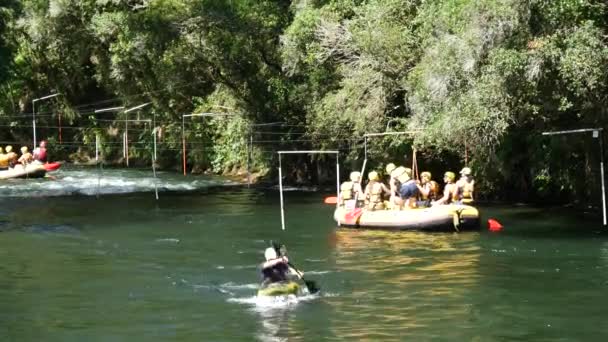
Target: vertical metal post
(127,139)
(281,192)
(601,137)
(34,122)
(338,185)
(249,148)
(183,145)
(154,164)
(154,131)
(59,122)
(97,148)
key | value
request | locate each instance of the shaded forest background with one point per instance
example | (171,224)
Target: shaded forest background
(478,81)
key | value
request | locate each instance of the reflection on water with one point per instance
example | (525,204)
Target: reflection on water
(407,274)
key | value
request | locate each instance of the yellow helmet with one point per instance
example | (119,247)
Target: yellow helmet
(390,168)
(466,171)
(426,174)
(373,176)
(450,175)
(355,176)
(23,149)
(9,149)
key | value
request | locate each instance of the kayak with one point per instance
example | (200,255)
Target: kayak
(33,170)
(51,166)
(283,288)
(448,218)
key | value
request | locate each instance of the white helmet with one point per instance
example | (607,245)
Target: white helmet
(270,253)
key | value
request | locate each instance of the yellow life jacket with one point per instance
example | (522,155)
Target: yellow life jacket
(467,191)
(3,161)
(375,195)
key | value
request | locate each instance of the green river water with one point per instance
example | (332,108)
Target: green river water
(124,267)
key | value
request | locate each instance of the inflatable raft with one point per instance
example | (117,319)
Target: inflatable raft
(447,218)
(280,289)
(30,171)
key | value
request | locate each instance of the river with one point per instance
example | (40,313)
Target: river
(90,258)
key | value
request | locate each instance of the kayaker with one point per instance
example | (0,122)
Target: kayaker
(450,192)
(275,269)
(465,186)
(374,192)
(428,188)
(350,190)
(40,153)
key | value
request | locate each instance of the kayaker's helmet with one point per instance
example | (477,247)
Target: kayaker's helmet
(449,175)
(426,175)
(355,176)
(9,149)
(24,149)
(390,168)
(43,144)
(270,253)
(373,176)
(466,171)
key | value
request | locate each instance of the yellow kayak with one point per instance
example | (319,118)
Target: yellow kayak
(279,289)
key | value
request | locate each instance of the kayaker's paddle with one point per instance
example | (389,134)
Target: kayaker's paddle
(310,284)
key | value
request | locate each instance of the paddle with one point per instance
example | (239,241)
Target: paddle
(310,284)
(331,200)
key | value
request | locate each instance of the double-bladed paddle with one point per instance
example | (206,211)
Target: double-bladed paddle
(311,285)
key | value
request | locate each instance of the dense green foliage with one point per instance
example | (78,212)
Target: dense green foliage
(472,79)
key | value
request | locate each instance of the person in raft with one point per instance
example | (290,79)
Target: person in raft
(276,268)
(351,190)
(393,185)
(408,191)
(375,191)
(10,156)
(465,186)
(26,157)
(3,160)
(450,192)
(428,189)
(40,153)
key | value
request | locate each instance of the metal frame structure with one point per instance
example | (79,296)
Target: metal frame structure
(125,141)
(34,113)
(597,134)
(125,136)
(250,146)
(337,153)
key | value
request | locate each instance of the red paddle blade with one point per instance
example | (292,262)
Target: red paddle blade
(353,215)
(331,200)
(494,225)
